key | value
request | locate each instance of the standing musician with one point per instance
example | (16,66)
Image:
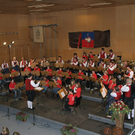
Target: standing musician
(14,62)
(84,62)
(110,68)
(85,56)
(30,84)
(75,57)
(23,63)
(73,86)
(91,63)
(74,62)
(45,86)
(111,55)
(70,101)
(43,62)
(91,55)
(102,54)
(49,70)
(129,72)
(59,86)
(102,64)
(60,60)
(31,61)
(5,67)
(27,68)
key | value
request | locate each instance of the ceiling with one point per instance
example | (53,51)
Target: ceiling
(21,6)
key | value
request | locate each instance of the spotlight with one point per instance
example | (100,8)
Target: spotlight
(12,42)
(4,43)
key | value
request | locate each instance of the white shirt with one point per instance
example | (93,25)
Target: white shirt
(60,62)
(112,56)
(73,59)
(111,68)
(131,74)
(84,63)
(43,62)
(74,63)
(33,83)
(91,64)
(13,65)
(115,66)
(22,65)
(5,64)
(125,88)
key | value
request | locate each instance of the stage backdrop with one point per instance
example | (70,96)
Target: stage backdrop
(93,39)
(38,34)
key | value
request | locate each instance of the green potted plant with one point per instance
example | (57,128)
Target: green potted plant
(119,109)
(22,116)
(69,130)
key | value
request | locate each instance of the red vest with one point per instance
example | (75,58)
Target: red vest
(110,72)
(28,85)
(128,94)
(102,55)
(118,95)
(83,63)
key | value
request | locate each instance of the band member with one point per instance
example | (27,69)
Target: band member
(91,63)
(102,54)
(27,68)
(78,93)
(60,60)
(73,86)
(68,79)
(49,70)
(105,79)
(102,64)
(85,56)
(30,84)
(114,64)
(5,67)
(128,99)
(16,66)
(45,86)
(59,71)
(2,81)
(84,62)
(59,86)
(70,101)
(15,77)
(110,69)
(13,90)
(43,63)
(91,55)
(31,61)
(23,63)
(80,79)
(74,62)
(14,62)
(36,68)
(129,72)
(75,57)
(111,54)
(124,64)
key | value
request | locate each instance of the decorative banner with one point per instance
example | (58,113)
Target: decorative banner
(38,34)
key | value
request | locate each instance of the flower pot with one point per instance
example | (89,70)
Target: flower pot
(24,120)
(120,120)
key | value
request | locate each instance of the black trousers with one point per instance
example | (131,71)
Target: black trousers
(67,106)
(30,94)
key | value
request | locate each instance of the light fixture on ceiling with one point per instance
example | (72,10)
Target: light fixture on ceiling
(4,43)
(39,10)
(100,4)
(12,42)
(41,6)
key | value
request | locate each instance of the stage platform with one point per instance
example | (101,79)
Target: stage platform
(50,108)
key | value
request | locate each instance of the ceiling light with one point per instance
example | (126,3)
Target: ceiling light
(39,10)
(12,42)
(100,4)
(4,43)
(41,6)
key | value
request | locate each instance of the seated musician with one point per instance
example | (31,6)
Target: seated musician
(91,63)
(36,68)
(59,86)
(14,62)
(111,55)
(102,54)
(124,64)
(105,79)
(128,99)
(60,60)
(2,81)
(16,67)
(13,90)
(27,68)
(110,69)
(59,71)
(23,63)
(80,79)
(45,86)
(102,64)
(30,62)
(75,57)
(5,67)
(85,56)
(70,100)
(43,62)
(84,62)
(74,62)
(90,55)
(129,73)
(16,77)
(49,70)
(114,64)
(68,78)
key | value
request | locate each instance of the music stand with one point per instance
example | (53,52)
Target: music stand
(93,68)
(6,76)
(33,65)
(25,73)
(52,59)
(38,60)
(14,74)
(84,68)
(46,64)
(52,84)
(116,70)
(93,79)
(35,73)
(75,67)
(65,74)
(19,85)
(85,77)
(73,75)
(55,73)
(100,69)
(44,73)
(58,65)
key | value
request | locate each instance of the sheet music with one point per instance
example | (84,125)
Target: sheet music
(39,88)
(62,94)
(103,92)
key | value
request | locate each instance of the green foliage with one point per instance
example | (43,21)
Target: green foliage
(22,116)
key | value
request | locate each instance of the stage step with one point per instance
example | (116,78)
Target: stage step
(91,98)
(109,121)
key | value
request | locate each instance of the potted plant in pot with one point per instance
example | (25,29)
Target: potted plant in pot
(119,109)
(69,130)
(22,116)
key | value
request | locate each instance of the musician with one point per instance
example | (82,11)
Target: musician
(74,62)
(129,72)
(105,79)
(124,64)
(16,66)
(102,64)
(73,86)
(16,77)
(85,56)
(78,93)
(102,54)
(43,62)
(59,71)
(27,68)
(45,86)
(14,62)
(111,54)
(70,101)
(23,63)
(2,81)
(84,62)
(80,79)
(36,68)
(5,67)
(49,70)
(30,84)
(31,61)
(91,55)
(68,78)
(75,57)
(110,68)
(114,64)
(13,90)
(128,99)
(59,86)
(60,60)
(91,63)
